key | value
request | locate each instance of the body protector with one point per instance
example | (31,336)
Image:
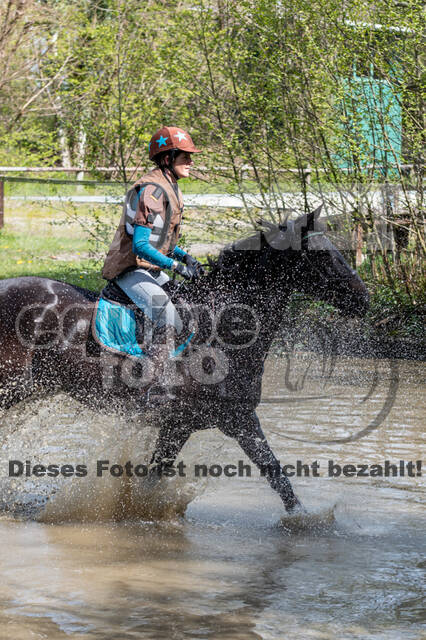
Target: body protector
(155,202)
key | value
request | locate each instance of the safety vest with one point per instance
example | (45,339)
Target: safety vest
(166,226)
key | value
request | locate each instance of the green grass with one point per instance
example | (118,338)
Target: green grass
(30,245)
(188,185)
(209,183)
(85,273)
(53,241)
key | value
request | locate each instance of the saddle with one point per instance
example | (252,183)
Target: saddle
(120,326)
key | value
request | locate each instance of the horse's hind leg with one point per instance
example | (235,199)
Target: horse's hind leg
(249,435)
(173,435)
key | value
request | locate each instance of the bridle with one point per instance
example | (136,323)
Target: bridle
(311,235)
(325,277)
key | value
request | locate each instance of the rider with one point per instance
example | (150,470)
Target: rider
(145,242)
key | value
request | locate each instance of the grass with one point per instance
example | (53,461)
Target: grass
(69,243)
(208,182)
(32,244)
(188,185)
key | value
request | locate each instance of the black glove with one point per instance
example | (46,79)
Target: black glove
(187,272)
(195,264)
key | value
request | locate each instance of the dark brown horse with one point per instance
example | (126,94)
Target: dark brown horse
(216,382)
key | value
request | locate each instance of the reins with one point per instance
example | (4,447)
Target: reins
(314,233)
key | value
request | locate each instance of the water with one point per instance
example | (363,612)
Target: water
(106,558)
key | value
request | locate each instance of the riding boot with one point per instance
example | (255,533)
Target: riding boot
(163,376)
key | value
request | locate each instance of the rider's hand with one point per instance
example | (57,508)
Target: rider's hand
(186,272)
(193,262)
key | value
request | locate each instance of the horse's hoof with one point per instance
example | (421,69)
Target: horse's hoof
(296,509)
(299,520)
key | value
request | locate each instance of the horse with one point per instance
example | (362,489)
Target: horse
(46,345)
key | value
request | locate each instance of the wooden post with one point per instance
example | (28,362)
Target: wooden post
(359,258)
(308,173)
(1,202)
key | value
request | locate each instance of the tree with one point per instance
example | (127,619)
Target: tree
(24,43)
(305,86)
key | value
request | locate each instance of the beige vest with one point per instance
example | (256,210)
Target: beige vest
(120,256)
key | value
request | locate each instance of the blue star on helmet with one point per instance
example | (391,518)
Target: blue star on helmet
(181,136)
(161,141)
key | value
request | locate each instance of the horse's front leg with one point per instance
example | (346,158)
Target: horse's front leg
(249,435)
(174,432)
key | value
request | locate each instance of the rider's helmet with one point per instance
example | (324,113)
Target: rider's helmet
(169,139)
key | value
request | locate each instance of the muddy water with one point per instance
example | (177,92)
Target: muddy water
(232,568)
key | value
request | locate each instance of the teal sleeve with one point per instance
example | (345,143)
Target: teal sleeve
(143,249)
(179,253)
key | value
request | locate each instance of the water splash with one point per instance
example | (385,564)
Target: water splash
(315,522)
(56,430)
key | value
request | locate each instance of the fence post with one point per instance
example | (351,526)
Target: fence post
(359,241)
(308,173)
(1,202)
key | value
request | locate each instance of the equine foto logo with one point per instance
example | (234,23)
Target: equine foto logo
(329,399)
(211,338)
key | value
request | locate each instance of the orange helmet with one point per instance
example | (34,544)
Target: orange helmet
(168,138)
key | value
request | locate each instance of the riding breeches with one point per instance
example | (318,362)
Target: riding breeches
(145,289)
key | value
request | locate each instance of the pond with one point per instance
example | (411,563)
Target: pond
(112,557)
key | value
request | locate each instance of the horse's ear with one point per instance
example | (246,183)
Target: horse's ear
(265,224)
(313,216)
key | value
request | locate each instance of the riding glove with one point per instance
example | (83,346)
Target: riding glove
(195,264)
(188,272)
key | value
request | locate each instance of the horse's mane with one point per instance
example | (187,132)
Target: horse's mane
(231,254)
(227,260)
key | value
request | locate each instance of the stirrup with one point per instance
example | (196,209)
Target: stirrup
(156,399)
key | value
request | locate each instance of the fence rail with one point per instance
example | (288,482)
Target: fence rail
(66,169)
(78,183)
(4,179)
(244,170)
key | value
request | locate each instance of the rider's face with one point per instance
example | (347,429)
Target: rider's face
(183,163)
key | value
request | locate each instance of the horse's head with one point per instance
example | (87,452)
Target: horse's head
(316,266)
